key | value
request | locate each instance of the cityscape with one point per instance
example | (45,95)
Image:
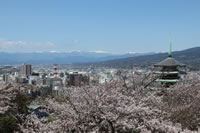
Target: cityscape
(99,66)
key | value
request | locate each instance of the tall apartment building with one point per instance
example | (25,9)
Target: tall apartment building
(77,79)
(26,70)
(6,78)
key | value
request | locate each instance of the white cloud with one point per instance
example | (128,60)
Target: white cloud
(53,51)
(23,46)
(100,52)
(131,52)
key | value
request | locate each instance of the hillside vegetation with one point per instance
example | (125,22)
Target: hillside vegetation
(190,57)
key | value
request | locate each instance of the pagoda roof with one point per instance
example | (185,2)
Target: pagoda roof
(169,62)
(173,72)
(167,80)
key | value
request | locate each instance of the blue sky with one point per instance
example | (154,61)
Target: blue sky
(117,26)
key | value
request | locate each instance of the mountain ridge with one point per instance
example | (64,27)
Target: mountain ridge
(190,57)
(59,57)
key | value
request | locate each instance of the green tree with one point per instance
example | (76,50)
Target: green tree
(22,101)
(8,124)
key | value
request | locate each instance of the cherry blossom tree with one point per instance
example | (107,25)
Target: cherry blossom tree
(112,107)
(125,104)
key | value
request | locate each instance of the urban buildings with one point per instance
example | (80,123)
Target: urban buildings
(77,79)
(26,70)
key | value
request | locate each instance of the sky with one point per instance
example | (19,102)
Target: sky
(115,26)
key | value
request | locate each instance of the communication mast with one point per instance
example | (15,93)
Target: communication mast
(55,70)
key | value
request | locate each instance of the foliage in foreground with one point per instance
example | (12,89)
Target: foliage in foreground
(8,124)
(126,105)
(183,104)
(13,106)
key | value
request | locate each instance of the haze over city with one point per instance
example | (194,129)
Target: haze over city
(113,26)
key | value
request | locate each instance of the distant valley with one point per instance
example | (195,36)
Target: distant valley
(190,57)
(61,58)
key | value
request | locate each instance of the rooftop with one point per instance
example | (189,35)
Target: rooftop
(169,62)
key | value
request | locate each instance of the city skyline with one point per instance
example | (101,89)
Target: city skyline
(102,26)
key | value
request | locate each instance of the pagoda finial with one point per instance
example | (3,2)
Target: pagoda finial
(170,49)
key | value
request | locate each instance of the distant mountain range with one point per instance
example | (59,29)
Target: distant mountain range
(61,58)
(190,57)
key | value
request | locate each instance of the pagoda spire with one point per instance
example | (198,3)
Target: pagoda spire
(170,49)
